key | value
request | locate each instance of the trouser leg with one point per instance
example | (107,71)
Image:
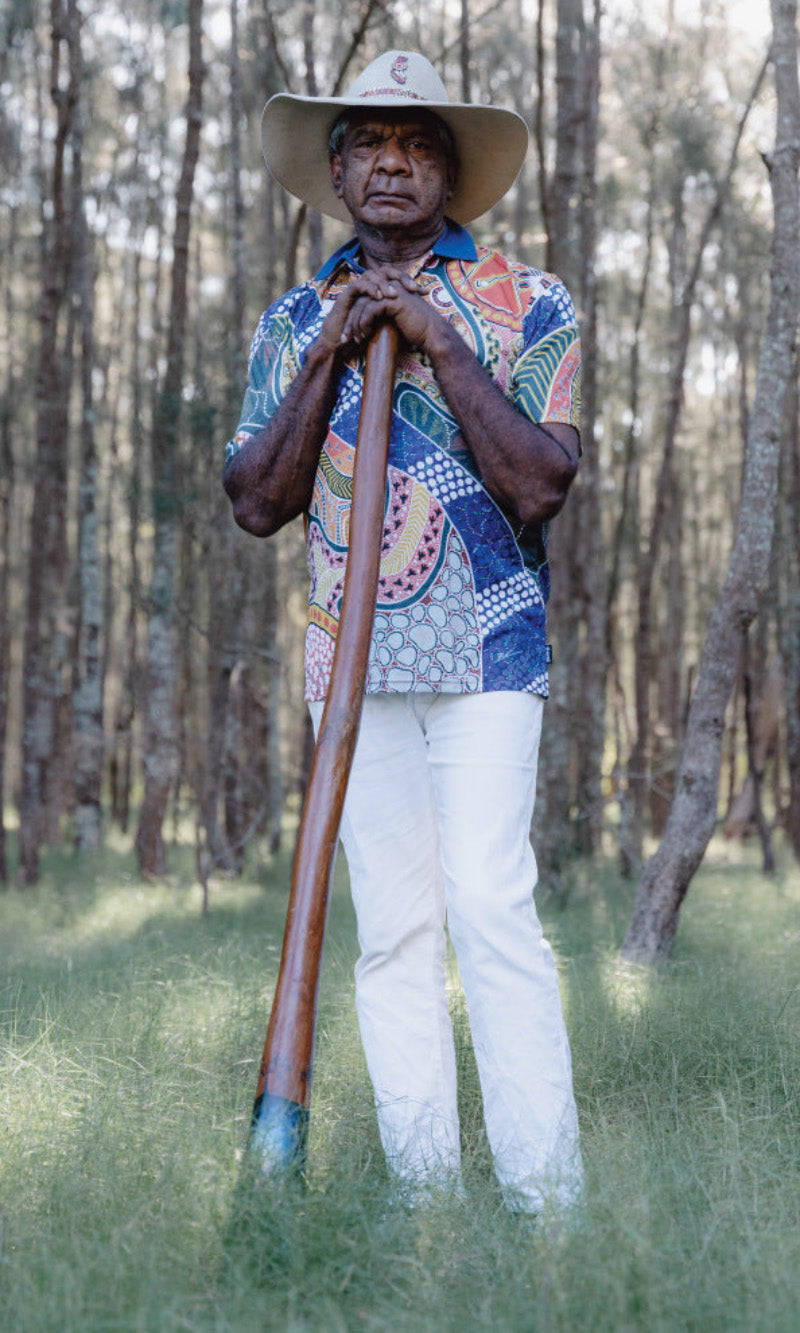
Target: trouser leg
(483,754)
(390,838)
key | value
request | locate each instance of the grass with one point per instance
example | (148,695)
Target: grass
(130,1031)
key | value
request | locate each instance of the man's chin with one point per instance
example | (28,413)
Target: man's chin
(383,208)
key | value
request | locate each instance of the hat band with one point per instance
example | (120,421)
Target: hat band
(393,92)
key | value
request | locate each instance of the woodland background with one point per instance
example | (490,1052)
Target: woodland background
(151,653)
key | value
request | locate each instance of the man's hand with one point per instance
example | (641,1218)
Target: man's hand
(381,294)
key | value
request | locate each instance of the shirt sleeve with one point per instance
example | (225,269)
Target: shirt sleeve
(272,365)
(546,380)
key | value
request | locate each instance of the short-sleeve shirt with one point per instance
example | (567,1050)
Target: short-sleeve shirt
(462,592)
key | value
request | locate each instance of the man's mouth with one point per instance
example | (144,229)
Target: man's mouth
(387,197)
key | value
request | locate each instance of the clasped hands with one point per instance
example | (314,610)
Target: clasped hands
(385,293)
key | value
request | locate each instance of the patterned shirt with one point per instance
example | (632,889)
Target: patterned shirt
(461,596)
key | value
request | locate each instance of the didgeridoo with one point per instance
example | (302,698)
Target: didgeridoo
(280,1115)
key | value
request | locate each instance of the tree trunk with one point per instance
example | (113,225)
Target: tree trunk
(756,763)
(87,703)
(47,559)
(6,490)
(7,483)
(159,756)
(668,873)
(539,136)
(132,484)
(314,217)
(590,703)
(464,56)
(569,808)
(224,562)
(789,621)
(629,513)
(552,818)
(667,733)
(564,235)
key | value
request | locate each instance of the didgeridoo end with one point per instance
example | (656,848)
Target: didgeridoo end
(278,1135)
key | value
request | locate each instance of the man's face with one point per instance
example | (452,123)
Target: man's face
(392,171)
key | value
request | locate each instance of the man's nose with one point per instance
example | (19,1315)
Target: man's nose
(391,154)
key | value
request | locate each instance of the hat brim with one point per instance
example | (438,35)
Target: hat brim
(492,143)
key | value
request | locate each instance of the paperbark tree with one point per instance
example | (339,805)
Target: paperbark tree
(160,736)
(668,874)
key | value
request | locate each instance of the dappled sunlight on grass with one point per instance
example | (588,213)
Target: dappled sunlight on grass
(627,985)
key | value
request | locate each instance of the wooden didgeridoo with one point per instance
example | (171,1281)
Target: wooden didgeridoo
(280,1114)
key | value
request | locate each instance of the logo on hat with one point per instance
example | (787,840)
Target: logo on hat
(399,70)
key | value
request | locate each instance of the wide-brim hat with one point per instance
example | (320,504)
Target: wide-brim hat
(491,140)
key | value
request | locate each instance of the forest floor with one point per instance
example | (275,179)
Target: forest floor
(130,1033)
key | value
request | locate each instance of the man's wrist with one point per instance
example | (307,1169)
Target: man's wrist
(322,352)
(442,341)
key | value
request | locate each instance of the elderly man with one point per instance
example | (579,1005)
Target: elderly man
(483,448)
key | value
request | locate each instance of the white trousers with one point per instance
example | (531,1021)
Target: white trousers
(436,829)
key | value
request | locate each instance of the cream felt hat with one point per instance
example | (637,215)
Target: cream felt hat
(491,141)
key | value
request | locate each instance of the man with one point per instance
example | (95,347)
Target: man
(483,448)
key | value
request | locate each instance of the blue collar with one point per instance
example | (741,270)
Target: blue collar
(454,243)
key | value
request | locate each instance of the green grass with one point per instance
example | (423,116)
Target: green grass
(130,1032)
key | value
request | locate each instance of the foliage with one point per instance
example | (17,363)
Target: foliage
(131,1028)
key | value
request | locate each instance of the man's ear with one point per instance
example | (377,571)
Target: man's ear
(335,163)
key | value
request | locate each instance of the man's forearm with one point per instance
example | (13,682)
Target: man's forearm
(270,480)
(525,467)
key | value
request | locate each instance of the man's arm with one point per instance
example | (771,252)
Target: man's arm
(270,479)
(527,468)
